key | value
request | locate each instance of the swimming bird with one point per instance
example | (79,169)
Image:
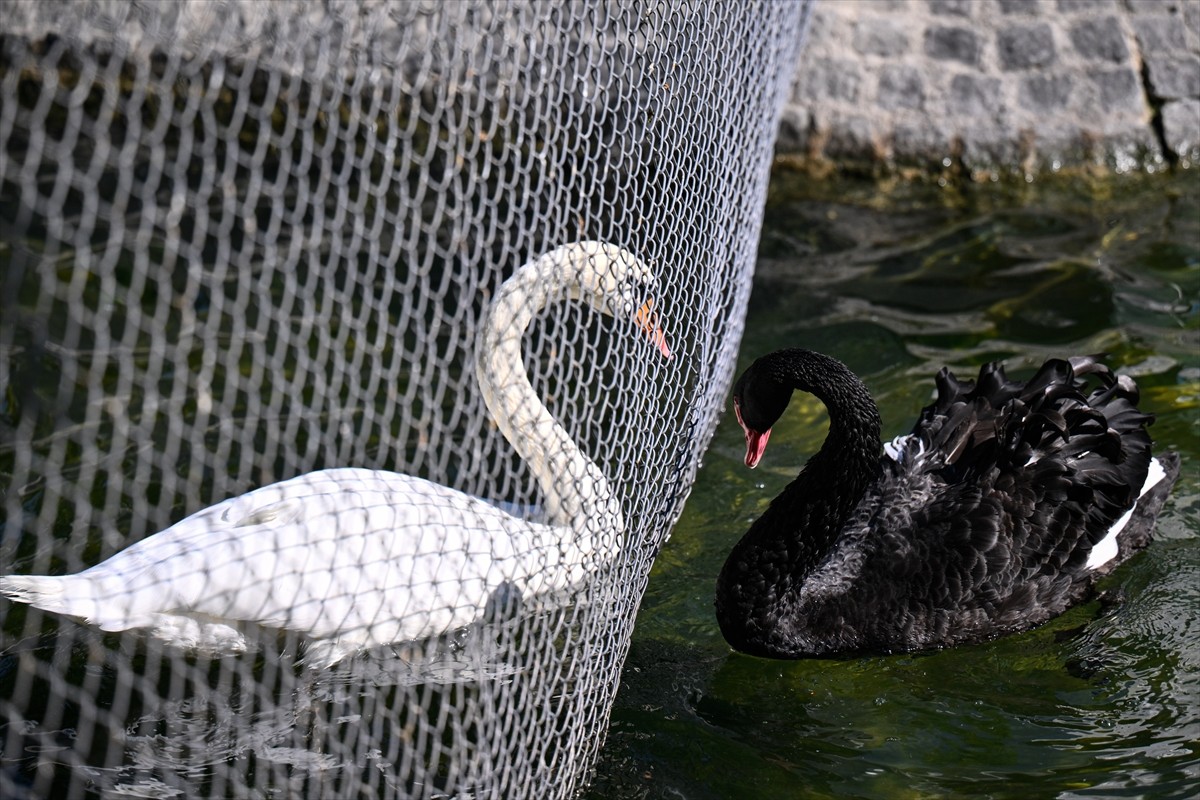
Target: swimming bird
(355,557)
(996,513)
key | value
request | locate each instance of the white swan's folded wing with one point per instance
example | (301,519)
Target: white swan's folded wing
(360,556)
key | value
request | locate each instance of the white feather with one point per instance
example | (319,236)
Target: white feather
(898,449)
(1106,549)
(356,558)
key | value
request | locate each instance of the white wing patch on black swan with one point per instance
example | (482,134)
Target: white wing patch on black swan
(1107,548)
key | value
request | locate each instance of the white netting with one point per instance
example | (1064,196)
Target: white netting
(243,241)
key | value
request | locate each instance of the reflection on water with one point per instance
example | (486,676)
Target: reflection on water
(1105,700)
(272,727)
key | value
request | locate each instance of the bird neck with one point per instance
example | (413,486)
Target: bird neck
(790,539)
(835,478)
(852,444)
(577,495)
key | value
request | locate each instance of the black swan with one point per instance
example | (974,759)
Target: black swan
(996,513)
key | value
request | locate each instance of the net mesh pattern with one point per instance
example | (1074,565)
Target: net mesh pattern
(242,242)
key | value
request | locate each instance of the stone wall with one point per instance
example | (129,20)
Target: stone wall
(996,84)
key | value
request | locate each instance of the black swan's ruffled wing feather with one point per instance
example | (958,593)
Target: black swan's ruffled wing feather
(1042,442)
(990,528)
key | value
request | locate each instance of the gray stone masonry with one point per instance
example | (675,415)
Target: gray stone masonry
(1024,84)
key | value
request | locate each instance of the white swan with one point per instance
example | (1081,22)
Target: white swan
(354,557)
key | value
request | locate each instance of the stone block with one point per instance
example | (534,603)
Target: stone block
(901,87)
(1045,92)
(1149,6)
(988,147)
(1181,128)
(920,141)
(975,96)
(831,79)
(1120,90)
(1160,35)
(851,136)
(1020,6)
(957,8)
(1191,23)
(902,6)
(795,127)
(1026,46)
(1174,77)
(952,44)
(1100,39)
(1091,6)
(1129,149)
(823,27)
(879,37)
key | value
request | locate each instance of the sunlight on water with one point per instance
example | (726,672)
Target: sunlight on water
(1102,702)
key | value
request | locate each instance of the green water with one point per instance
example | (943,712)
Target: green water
(896,281)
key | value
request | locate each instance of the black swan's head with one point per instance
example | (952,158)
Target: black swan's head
(759,400)
(762,393)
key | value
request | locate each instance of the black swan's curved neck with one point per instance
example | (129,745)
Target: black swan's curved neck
(852,445)
(854,424)
(801,524)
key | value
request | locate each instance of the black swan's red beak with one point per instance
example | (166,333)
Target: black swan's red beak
(756,442)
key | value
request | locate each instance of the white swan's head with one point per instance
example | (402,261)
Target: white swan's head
(613,281)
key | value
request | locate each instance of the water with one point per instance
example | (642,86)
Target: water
(1103,702)
(897,281)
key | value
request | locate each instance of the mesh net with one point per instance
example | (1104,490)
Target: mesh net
(243,242)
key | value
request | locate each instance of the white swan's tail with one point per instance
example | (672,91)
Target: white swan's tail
(69,595)
(100,602)
(36,590)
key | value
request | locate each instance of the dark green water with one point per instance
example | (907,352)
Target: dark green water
(1104,701)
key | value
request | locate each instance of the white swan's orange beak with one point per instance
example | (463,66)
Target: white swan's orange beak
(756,443)
(647,320)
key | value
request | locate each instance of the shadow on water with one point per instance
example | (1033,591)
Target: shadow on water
(1103,701)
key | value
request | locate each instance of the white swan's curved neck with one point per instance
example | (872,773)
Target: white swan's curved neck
(577,494)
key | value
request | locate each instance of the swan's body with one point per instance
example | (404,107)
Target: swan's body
(354,557)
(351,557)
(997,512)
